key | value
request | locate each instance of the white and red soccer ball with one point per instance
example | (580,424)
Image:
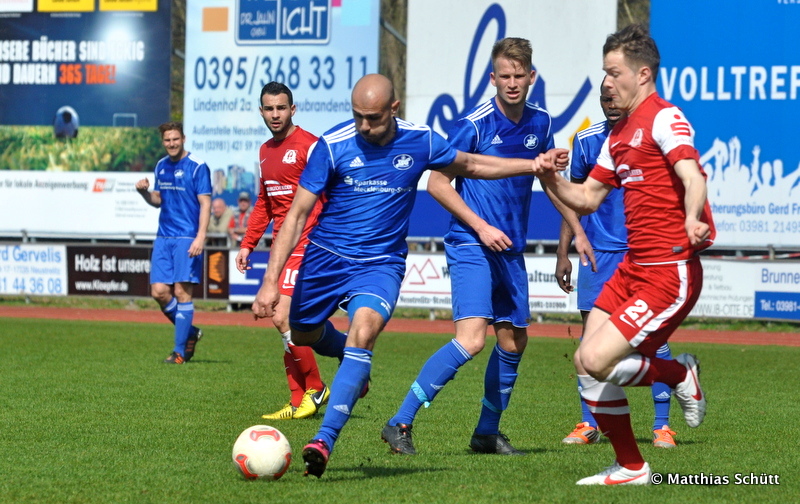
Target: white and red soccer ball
(262,452)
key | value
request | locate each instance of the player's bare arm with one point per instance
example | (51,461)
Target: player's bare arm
(563,264)
(268,295)
(480,166)
(259,220)
(582,245)
(153,198)
(694,200)
(242,263)
(439,186)
(199,241)
(582,198)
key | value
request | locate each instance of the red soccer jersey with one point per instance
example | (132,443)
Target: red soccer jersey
(281,164)
(639,155)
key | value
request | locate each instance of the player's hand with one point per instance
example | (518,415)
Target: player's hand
(143,185)
(564,273)
(493,238)
(561,158)
(543,163)
(697,231)
(196,248)
(242,263)
(551,161)
(266,300)
(585,251)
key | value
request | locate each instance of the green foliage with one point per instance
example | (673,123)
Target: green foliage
(91,415)
(95,149)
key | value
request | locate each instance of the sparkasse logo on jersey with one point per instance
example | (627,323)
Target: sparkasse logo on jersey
(103,185)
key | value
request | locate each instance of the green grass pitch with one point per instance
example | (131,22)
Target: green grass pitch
(89,414)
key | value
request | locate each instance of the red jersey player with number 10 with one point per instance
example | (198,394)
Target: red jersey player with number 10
(651,156)
(282,160)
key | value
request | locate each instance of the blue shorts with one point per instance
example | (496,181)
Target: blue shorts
(170,262)
(590,283)
(488,285)
(328,281)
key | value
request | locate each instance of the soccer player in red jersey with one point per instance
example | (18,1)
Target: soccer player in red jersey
(650,154)
(282,160)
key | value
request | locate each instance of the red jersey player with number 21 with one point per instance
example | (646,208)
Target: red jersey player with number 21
(651,156)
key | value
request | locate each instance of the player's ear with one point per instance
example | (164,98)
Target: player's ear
(395,107)
(645,74)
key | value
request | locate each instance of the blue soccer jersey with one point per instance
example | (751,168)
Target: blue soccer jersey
(502,203)
(371,188)
(604,228)
(179,184)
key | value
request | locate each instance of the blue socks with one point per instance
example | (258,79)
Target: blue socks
(331,342)
(586,414)
(170,310)
(501,374)
(183,326)
(181,335)
(439,369)
(662,393)
(345,390)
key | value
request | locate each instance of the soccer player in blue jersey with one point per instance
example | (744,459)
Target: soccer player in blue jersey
(484,247)
(606,231)
(369,168)
(182,191)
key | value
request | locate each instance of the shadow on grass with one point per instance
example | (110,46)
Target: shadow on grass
(207,361)
(368,472)
(642,440)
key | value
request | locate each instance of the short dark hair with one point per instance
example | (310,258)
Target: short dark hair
(638,47)
(169,126)
(274,89)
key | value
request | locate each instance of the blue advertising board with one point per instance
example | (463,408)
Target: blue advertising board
(283,22)
(734,69)
(112,67)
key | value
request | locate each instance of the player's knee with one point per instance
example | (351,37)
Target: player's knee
(161,293)
(594,367)
(520,341)
(281,322)
(183,292)
(473,344)
(576,360)
(363,336)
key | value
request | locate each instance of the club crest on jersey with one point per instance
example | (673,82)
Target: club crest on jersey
(531,141)
(290,156)
(636,141)
(178,173)
(403,161)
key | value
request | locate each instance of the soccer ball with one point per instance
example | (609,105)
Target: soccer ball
(262,452)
